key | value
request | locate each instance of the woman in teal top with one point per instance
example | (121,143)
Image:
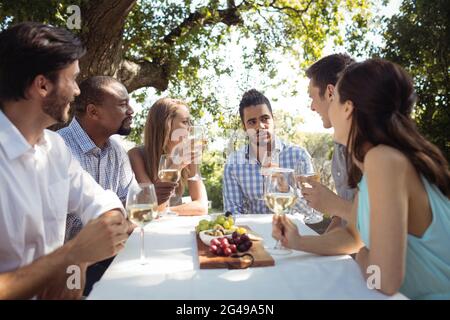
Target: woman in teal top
(401,217)
(427,273)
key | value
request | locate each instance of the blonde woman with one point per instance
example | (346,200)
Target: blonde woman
(166,119)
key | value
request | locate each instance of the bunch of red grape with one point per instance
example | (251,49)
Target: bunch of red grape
(225,246)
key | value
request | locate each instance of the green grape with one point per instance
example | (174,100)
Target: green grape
(221,220)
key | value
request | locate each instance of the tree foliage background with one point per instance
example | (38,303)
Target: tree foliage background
(418,38)
(177,47)
(154,43)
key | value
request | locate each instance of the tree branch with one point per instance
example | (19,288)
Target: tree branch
(299,12)
(103,24)
(229,16)
(139,74)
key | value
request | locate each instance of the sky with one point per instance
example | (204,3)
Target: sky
(229,88)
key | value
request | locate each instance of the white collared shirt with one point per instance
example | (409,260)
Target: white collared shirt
(38,186)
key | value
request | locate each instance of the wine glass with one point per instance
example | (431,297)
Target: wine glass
(141,206)
(280,196)
(268,161)
(169,170)
(197,142)
(302,170)
(234,154)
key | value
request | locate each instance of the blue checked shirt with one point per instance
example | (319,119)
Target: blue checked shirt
(243,182)
(109,166)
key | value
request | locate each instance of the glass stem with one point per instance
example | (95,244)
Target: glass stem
(196,176)
(197,173)
(277,245)
(142,246)
(168,203)
(264,182)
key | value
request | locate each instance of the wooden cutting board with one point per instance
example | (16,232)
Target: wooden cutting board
(257,256)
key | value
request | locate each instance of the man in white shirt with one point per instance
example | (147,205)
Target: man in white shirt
(41,181)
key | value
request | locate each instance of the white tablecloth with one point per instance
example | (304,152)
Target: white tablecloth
(173,271)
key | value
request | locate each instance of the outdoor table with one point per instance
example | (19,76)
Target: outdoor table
(173,272)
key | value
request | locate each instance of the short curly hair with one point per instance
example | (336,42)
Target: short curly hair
(92,92)
(252,98)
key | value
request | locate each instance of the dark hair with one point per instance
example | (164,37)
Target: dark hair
(29,49)
(92,91)
(383,96)
(327,70)
(252,98)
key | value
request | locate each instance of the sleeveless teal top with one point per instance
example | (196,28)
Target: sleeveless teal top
(427,258)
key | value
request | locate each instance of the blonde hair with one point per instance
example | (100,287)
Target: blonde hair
(157,131)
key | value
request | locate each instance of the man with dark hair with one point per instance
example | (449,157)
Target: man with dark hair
(243,182)
(323,76)
(41,181)
(101,110)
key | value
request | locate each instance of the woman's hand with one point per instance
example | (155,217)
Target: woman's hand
(286,231)
(321,198)
(164,190)
(186,154)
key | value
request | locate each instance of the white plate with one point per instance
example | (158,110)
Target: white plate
(206,238)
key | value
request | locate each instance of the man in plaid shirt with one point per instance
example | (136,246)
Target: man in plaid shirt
(242,182)
(101,110)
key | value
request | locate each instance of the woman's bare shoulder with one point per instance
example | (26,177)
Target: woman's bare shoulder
(134,152)
(386,156)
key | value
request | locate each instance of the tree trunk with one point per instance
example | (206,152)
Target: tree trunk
(103,24)
(102,34)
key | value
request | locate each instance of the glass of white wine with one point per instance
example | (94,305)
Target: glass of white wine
(169,170)
(280,196)
(268,162)
(141,206)
(234,154)
(302,171)
(197,142)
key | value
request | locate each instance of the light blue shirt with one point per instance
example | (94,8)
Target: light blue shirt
(427,273)
(109,166)
(243,182)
